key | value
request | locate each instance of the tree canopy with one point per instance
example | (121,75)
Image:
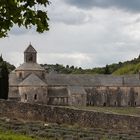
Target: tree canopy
(121,68)
(4,84)
(25,13)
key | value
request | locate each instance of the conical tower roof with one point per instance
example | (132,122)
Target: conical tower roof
(30,49)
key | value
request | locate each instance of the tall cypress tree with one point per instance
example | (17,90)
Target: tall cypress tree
(107,71)
(1,59)
(4,80)
(0,82)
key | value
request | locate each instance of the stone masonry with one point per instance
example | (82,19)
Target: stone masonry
(31,83)
(66,115)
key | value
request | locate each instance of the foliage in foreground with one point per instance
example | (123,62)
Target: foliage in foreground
(25,13)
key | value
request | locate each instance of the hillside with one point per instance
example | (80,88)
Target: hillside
(127,67)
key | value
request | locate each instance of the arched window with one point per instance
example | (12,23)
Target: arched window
(30,58)
(20,75)
(25,96)
(104,104)
(115,103)
(35,97)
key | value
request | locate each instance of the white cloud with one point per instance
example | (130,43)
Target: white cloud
(86,38)
(77,59)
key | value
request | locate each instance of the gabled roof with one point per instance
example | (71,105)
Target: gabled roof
(32,80)
(30,49)
(92,80)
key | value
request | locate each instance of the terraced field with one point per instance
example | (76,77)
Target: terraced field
(42,131)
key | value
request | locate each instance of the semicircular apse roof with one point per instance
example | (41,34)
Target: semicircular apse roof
(30,66)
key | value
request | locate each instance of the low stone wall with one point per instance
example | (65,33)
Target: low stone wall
(34,112)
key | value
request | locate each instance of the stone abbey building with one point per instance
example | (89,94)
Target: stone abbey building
(31,83)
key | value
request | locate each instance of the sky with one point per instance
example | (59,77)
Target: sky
(83,33)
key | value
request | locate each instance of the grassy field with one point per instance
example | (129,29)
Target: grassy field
(134,111)
(12,136)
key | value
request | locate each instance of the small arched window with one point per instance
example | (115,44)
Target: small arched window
(104,104)
(35,97)
(20,75)
(30,58)
(115,103)
(25,96)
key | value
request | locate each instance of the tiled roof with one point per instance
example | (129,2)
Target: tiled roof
(29,66)
(32,80)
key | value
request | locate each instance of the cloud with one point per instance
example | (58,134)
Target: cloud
(84,38)
(18,30)
(76,59)
(70,17)
(129,5)
(66,14)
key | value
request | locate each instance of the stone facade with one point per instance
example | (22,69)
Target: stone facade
(31,83)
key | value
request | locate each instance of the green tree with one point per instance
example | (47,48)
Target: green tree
(25,13)
(1,59)
(67,66)
(4,81)
(72,67)
(107,71)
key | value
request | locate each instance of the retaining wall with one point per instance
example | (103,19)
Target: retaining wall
(52,114)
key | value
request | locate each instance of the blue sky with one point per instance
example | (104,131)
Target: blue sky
(83,33)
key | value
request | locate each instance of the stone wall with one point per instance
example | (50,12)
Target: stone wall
(33,94)
(90,96)
(14,93)
(57,96)
(113,96)
(77,96)
(60,115)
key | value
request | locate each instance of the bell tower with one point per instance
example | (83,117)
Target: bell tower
(30,55)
